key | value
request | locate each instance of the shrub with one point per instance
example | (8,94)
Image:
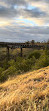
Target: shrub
(1,70)
(25,64)
(4,64)
(46,51)
(11,62)
(36,54)
(42,62)
(9,72)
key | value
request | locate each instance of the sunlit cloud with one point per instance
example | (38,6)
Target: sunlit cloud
(3,24)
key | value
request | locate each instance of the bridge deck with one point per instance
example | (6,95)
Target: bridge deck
(20,45)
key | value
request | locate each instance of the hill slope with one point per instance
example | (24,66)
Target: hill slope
(27,92)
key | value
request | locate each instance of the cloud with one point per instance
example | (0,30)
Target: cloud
(8,12)
(20,20)
(11,12)
(34,13)
(45,1)
(14,2)
(20,8)
(19,33)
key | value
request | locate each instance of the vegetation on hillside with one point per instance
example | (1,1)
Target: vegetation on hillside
(24,92)
(31,60)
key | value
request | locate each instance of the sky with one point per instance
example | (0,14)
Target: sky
(24,20)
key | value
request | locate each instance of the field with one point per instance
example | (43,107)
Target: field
(26,92)
(24,81)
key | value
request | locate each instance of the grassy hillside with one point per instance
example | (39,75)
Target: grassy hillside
(26,92)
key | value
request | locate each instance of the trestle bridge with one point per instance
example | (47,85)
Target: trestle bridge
(11,45)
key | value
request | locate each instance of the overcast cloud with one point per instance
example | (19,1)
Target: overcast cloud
(23,20)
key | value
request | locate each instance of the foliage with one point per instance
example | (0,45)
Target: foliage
(34,60)
(25,64)
(35,53)
(7,73)
(43,61)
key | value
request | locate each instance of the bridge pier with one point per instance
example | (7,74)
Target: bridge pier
(21,52)
(8,52)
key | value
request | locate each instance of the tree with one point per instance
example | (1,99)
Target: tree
(27,42)
(32,42)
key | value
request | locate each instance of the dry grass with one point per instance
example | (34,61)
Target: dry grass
(26,92)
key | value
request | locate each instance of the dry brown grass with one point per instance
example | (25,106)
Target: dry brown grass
(26,92)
